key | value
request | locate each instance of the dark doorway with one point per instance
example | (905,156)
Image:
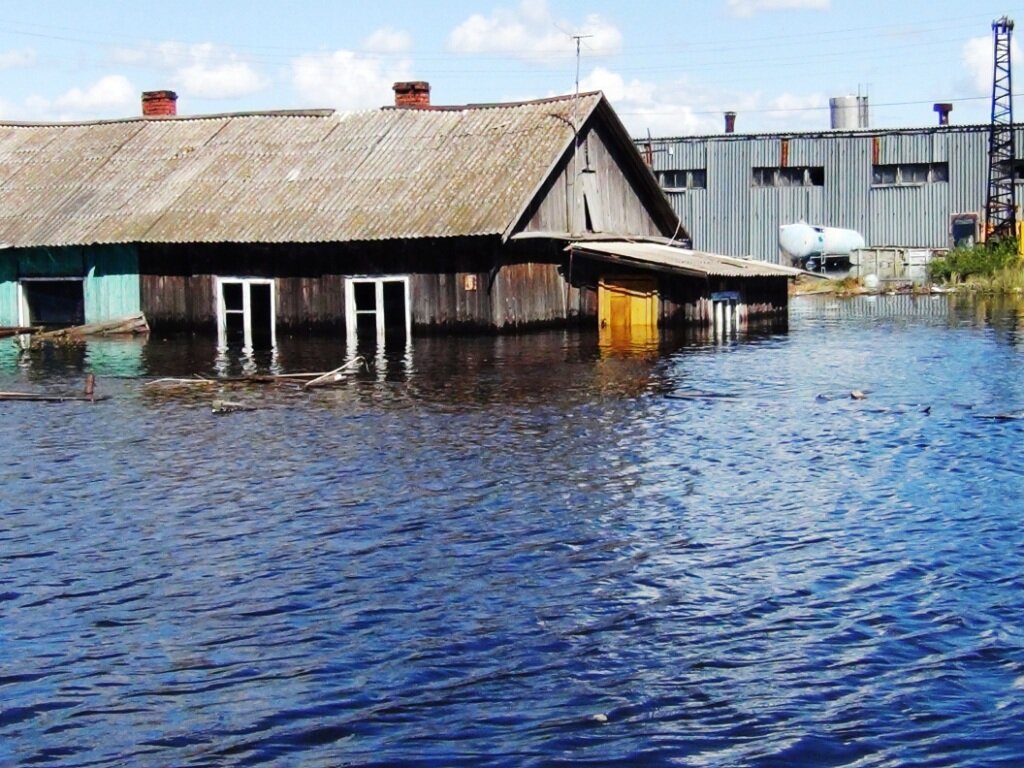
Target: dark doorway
(59,303)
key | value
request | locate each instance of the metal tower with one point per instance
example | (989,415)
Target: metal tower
(1001,207)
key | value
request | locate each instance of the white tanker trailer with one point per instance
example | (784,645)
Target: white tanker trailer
(812,247)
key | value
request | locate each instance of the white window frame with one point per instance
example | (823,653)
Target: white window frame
(24,314)
(352,315)
(246,311)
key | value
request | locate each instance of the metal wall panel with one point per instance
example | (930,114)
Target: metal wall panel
(734,218)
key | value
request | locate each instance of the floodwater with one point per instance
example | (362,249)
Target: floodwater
(526,551)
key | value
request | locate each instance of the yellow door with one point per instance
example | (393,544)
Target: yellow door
(627,310)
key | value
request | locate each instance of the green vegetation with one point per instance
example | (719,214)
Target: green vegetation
(997,268)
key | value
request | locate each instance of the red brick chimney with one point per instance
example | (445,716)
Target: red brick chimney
(415,94)
(159,103)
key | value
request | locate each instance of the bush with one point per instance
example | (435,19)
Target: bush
(974,261)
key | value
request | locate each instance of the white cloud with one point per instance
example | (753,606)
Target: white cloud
(15,59)
(683,107)
(347,81)
(978,57)
(388,40)
(750,7)
(200,70)
(110,95)
(531,32)
(107,94)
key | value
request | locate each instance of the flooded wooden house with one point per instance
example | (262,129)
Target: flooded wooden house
(415,218)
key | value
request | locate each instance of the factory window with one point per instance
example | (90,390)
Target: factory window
(911,174)
(790,176)
(1018,170)
(696,178)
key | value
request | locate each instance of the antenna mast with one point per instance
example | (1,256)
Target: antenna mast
(1001,206)
(575,127)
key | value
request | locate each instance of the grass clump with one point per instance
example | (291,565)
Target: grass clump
(979,263)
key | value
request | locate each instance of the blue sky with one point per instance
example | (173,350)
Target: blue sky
(670,68)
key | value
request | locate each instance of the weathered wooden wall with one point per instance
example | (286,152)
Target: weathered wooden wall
(518,285)
(559,208)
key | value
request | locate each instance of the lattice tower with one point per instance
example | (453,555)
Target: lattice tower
(1001,207)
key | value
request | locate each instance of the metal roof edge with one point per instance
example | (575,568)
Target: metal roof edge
(861,132)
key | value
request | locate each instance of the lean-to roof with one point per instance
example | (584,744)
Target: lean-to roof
(313,176)
(668,258)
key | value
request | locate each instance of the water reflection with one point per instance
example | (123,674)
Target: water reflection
(467,560)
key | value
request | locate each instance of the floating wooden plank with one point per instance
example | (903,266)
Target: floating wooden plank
(17,330)
(125,326)
(89,395)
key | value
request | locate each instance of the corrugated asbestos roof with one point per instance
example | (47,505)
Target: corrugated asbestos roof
(281,177)
(668,258)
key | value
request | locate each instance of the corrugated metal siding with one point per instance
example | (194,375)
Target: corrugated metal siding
(735,218)
(392,173)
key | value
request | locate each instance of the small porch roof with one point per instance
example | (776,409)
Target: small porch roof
(661,257)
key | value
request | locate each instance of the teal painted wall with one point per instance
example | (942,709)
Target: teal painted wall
(8,287)
(110,278)
(111,283)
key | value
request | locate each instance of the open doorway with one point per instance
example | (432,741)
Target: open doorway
(377,308)
(51,302)
(246,314)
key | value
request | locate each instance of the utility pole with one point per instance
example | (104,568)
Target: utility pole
(1001,205)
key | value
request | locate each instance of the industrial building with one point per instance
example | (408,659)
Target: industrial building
(902,187)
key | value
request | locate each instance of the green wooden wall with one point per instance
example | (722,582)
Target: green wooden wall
(110,278)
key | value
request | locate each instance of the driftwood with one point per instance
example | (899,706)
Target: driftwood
(303,380)
(227,406)
(17,330)
(125,326)
(88,395)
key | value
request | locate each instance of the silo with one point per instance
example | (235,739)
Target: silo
(849,112)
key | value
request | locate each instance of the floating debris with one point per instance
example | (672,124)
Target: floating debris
(696,394)
(228,406)
(1008,416)
(88,395)
(858,395)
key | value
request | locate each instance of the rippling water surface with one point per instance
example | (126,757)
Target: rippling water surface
(527,551)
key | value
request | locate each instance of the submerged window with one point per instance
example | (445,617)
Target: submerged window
(377,306)
(246,313)
(910,174)
(693,178)
(790,176)
(52,301)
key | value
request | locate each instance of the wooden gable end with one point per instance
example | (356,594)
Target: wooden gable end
(611,194)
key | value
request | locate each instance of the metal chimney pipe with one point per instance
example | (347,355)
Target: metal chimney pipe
(943,109)
(730,122)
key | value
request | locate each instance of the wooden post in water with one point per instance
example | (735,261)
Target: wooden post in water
(90,387)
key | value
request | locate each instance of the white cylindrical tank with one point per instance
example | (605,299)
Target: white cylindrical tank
(848,112)
(802,240)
